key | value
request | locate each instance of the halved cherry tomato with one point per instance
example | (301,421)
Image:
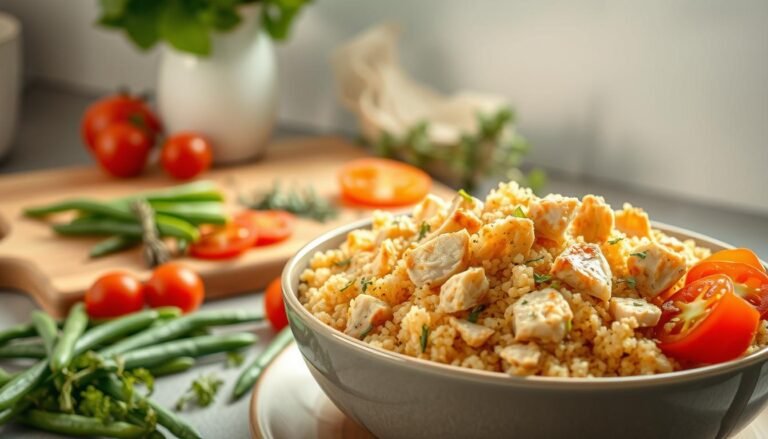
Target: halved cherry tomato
(705,322)
(224,242)
(271,225)
(114,294)
(742,255)
(749,283)
(173,284)
(274,306)
(382,183)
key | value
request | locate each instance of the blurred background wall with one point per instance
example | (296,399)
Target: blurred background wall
(668,96)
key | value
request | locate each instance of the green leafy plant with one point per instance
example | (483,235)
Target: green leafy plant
(187,24)
(495,148)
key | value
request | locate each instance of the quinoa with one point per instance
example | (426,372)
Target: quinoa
(595,345)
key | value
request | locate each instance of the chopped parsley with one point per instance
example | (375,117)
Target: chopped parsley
(465,195)
(641,255)
(364,283)
(234,359)
(555,284)
(519,212)
(540,278)
(615,240)
(475,313)
(524,302)
(568,325)
(630,281)
(424,337)
(530,261)
(343,262)
(424,229)
(637,304)
(202,392)
(344,288)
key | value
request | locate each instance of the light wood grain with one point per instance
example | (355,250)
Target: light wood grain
(56,270)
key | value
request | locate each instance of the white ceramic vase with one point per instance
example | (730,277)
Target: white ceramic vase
(229,96)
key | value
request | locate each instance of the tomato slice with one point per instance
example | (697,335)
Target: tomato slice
(383,183)
(224,242)
(705,322)
(273,305)
(271,226)
(749,283)
(742,255)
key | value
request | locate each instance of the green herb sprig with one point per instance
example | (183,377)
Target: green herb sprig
(202,391)
(302,202)
(424,338)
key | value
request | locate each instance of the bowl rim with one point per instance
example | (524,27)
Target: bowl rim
(290,297)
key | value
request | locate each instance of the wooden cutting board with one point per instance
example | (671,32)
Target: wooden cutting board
(56,270)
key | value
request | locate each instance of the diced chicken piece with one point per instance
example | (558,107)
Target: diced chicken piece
(463,291)
(463,214)
(655,268)
(523,359)
(584,267)
(385,259)
(646,314)
(542,315)
(633,221)
(430,206)
(360,240)
(506,236)
(434,261)
(473,334)
(552,215)
(365,312)
(593,220)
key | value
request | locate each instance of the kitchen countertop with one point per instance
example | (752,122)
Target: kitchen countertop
(49,137)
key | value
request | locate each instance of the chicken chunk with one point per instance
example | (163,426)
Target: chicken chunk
(364,313)
(473,334)
(542,315)
(646,314)
(463,214)
(655,268)
(593,220)
(430,206)
(584,267)
(523,359)
(633,221)
(434,261)
(507,236)
(552,215)
(463,291)
(385,259)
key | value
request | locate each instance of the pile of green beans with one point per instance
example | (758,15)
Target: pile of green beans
(160,340)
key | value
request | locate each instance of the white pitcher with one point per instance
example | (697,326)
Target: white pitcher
(10,79)
(229,96)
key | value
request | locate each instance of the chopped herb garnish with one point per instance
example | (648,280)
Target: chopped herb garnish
(519,212)
(539,278)
(234,359)
(530,261)
(555,284)
(424,229)
(364,283)
(568,325)
(464,194)
(637,304)
(344,288)
(424,337)
(343,262)
(615,240)
(525,302)
(630,281)
(475,313)
(302,202)
(202,391)
(641,255)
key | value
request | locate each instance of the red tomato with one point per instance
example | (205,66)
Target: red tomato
(742,255)
(122,149)
(274,306)
(114,294)
(271,225)
(224,242)
(119,108)
(186,155)
(749,283)
(383,183)
(705,322)
(173,284)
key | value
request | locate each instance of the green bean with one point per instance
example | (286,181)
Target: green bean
(202,190)
(202,212)
(251,373)
(23,350)
(76,425)
(5,376)
(18,331)
(177,365)
(189,347)
(23,383)
(113,244)
(165,417)
(180,327)
(167,225)
(47,329)
(83,205)
(74,326)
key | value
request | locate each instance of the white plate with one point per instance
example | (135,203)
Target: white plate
(288,403)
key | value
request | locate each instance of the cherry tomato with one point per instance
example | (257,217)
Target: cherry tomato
(271,226)
(382,183)
(173,284)
(742,255)
(224,242)
(186,155)
(274,306)
(122,149)
(114,294)
(119,108)
(705,322)
(749,283)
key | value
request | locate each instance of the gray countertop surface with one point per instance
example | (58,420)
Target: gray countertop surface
(48,137)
